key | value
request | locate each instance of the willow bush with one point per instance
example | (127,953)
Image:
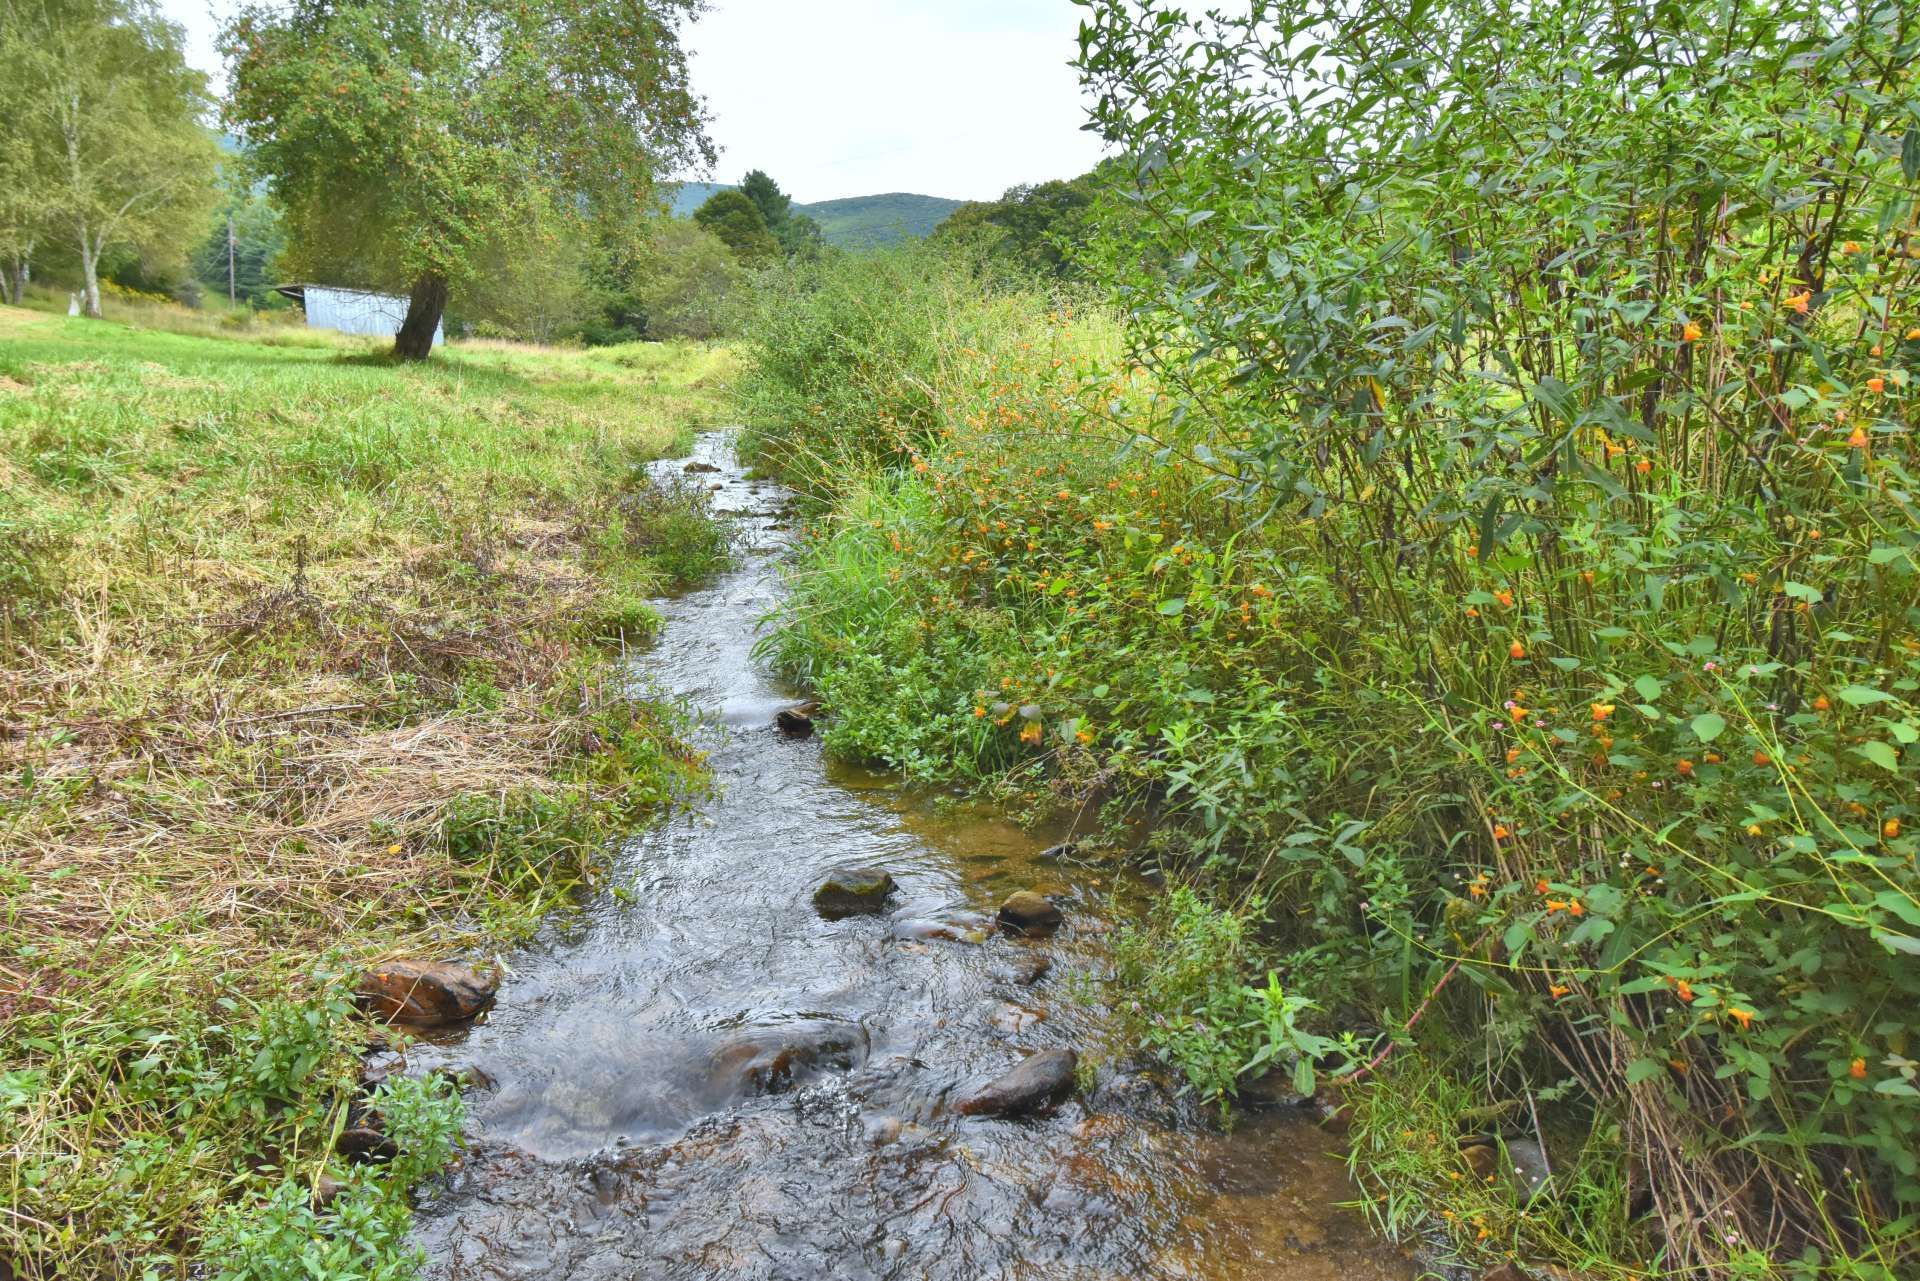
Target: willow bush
(1565,349)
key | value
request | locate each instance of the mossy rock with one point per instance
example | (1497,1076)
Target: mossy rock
(852,891)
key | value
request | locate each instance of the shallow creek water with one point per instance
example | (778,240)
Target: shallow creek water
(642,1122)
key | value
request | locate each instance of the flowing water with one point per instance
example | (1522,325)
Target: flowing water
(698,1076)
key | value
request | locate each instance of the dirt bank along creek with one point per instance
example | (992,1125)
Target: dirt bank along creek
(705,1075)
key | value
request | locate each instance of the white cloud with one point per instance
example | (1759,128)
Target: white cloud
(853,97)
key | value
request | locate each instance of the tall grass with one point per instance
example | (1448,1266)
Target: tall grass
(305,660)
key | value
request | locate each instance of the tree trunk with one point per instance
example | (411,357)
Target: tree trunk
(90,276)
(428,300)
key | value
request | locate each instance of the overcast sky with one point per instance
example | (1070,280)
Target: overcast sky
(853,97)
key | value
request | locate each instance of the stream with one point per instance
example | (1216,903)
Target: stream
(697,1076)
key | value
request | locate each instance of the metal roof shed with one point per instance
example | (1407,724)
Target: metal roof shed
(352,311)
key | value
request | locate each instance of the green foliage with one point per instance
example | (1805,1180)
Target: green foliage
(257,240)
(678,284)
(104,139)
(840,354)
(1490,538)
(413,142)
(362,1232)
(670,526)
(737,220)
(1038,228)
(1186,976)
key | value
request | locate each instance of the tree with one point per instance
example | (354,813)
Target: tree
(108,133)
(798,235)
(684,280)
(412,143)
(775,205)
(1037,227)
(257,240)
(736,219)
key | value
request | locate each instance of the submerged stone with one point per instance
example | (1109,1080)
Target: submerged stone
(768,1060)
(852,891)
(1029,913)
(1040,1081)
(425,993)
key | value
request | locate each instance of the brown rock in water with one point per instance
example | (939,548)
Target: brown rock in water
(1041,1081)
(768,1060)
(1483,1159)
(1024,970)
(425,993)
(797,721)
(699,468)
(1508,1271)
(852,891)
(1029,913)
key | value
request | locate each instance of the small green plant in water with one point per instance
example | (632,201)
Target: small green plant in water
(1186,975)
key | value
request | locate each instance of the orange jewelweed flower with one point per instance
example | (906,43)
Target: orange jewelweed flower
(1821,704)
(1913,335)
(1500,832)
(1602,710)
(1743,1017)
(1761,758)
(1575,907)
(1876,385)
(1858,438)
(1559,990)
(1690,332)
(1505,599)
(979,711)
(1516,651)
(1890,829)
(1684,768)
(1472,612)
(1799,302)
(1851,247)
(1683,989)
(1541,885)
(1643,466)
(1857,1069)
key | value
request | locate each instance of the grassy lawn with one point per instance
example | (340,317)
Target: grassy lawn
(304,660)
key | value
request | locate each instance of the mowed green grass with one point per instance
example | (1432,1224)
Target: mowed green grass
(305,658)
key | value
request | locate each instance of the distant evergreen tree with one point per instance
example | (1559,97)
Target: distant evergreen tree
(775,205)
(736,219)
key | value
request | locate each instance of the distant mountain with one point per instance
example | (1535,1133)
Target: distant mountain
(857,222)
(692,195)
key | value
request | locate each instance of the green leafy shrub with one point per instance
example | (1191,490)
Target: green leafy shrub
(1186,975)
(669,527)
(1492,537)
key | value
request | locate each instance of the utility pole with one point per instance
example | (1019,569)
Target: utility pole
(231,297)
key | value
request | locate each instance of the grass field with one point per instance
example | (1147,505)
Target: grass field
(304,660)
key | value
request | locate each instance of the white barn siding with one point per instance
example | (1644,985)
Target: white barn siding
(356,311)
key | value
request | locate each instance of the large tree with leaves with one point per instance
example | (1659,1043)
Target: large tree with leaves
(104,133)
(412,142)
